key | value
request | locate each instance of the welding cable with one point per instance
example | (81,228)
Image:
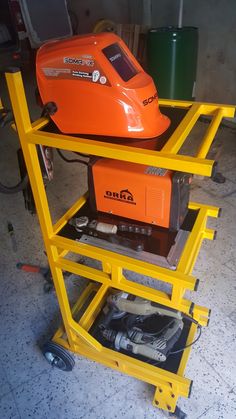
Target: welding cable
(14,189)
(70,160)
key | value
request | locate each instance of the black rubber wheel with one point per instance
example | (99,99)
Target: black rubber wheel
(178,414)
(58,357)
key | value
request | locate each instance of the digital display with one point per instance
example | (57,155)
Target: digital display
(120,61)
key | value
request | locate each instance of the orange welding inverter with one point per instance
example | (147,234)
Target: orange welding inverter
(138,192)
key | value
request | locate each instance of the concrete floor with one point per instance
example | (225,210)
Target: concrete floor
(30,388)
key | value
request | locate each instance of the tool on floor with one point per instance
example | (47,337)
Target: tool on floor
(11,232)
(43,270)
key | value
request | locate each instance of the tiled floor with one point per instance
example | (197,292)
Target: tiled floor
(29,388)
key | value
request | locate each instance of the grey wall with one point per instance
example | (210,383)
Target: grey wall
(216,20)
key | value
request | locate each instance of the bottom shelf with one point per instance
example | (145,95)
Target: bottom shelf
(172,362)
(167,377)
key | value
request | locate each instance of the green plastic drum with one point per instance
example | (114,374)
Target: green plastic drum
(172,61)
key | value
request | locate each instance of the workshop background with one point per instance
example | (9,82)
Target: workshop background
(29,387)
(214,18)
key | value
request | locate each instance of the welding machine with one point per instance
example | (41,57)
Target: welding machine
(93,85)
(138,192)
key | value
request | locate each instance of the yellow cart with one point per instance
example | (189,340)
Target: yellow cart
(76,334)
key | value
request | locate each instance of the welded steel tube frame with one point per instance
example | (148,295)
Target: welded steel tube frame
(74,335)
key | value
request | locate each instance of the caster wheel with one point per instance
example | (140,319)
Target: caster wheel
(178,414)
(58,357)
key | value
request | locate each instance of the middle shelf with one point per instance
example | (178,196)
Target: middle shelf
(171,266)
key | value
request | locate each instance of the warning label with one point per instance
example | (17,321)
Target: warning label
(82,74)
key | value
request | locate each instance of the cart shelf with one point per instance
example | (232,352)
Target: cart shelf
(168,379)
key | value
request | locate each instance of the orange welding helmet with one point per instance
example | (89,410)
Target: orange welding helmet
(96,86)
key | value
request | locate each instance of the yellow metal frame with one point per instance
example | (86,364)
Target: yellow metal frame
(75,333)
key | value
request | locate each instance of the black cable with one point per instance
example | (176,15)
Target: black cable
(81,154)
(182,349)
(20,186)
(70,160)
(154,364)
(131,323)
(6,117)
(190,344)
(160,331)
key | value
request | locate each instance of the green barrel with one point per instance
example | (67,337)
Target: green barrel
(172,61)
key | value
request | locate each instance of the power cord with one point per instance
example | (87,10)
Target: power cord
(16,188)
(131,320)
(71,160)
(131,323)
(190,344)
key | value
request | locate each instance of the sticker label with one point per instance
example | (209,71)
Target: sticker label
(78,61)
(84,68)
(95,76)
(157,171)
(103,80)
(115,57)
(81,74)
